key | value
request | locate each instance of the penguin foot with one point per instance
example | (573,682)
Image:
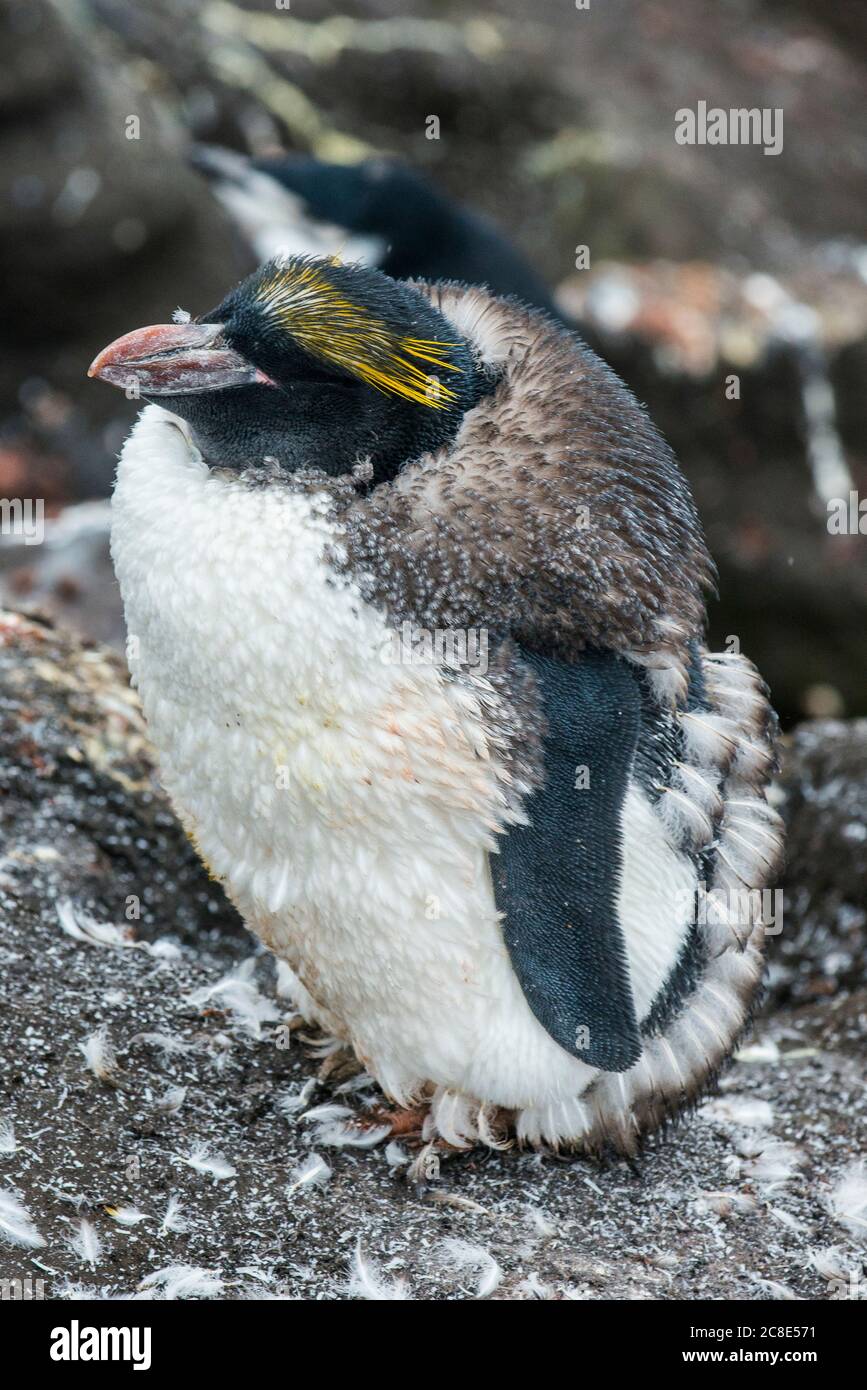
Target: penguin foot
(340,1065)
(404,1123)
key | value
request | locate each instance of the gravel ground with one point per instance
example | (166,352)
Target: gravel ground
(735,1202)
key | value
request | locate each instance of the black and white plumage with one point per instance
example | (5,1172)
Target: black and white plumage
(483,873)
(377,211)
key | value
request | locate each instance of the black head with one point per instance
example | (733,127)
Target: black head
(312,363)
(377,196)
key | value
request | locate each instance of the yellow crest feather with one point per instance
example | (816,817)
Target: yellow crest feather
(331,327)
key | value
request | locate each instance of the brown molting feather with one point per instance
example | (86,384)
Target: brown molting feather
(488,532)
(558,514)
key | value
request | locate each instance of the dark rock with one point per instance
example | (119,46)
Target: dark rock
(82,815)
(764,464)
(68,578)
(98,232)
(823,944)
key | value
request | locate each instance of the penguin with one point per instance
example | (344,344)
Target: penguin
(377,211)
(415,595)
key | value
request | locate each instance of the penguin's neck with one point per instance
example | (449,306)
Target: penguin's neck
(268,682)
(326,423)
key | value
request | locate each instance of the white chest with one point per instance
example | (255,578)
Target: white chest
(345,800)
(262,672)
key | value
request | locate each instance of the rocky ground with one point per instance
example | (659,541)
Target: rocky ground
(163,1132)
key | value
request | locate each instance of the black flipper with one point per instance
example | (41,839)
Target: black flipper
(556,879)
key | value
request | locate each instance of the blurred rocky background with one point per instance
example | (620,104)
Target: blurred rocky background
(728,287)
